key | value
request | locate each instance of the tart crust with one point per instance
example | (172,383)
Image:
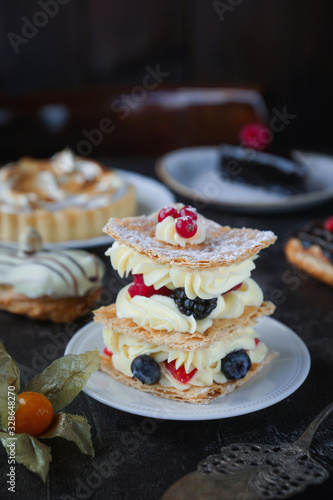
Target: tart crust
(72,223)
(64,198)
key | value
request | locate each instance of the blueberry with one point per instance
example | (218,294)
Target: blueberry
(236,364)
(145,369)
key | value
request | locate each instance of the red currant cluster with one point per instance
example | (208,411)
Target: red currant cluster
(186,218)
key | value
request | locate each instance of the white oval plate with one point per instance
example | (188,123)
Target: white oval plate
(151,196)
(194,173)
(277,380)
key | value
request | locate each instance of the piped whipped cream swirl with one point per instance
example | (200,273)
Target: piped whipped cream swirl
(166,231)
(205,283)
(161,312)
(206,360)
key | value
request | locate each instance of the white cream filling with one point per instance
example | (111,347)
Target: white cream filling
(207,360)
(162,313)
(205,283)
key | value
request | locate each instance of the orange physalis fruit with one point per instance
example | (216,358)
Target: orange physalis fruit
(34,415)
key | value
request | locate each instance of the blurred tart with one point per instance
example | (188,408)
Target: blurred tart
(59,286)
(65,197)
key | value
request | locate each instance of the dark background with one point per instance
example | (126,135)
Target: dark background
(282,47)
(94,50)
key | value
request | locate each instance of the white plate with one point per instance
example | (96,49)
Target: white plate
(194,172)
(277,381)
(151,196)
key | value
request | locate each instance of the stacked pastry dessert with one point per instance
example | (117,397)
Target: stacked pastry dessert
(65,197)
(60,285)
(184,328)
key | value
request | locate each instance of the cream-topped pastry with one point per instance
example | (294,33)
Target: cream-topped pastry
(205,283)
(65,197)
(161,312)
(38,282)
(205,361)
(183,328)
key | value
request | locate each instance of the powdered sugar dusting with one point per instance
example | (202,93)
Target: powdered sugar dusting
(223,245)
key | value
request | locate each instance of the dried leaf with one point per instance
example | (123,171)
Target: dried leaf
(30,452)
(73,428)
(9,378)
(62,381)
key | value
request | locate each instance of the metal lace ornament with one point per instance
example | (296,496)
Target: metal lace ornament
(254,471)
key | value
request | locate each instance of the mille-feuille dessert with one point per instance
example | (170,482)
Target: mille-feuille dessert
(58,285)
(65,197)
(183,329)
(311,249)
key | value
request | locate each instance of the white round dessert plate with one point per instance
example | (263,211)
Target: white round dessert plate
(195,173)
(151,196)
(276,381)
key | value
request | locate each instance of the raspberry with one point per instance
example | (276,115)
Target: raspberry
(107,352)
(186,227)
(255,136)
(328,224)
(198,308)
(166,211)
(188,210)
(139,288)
(180,373)
(256,341)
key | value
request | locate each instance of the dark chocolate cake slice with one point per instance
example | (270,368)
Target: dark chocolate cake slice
(276,174)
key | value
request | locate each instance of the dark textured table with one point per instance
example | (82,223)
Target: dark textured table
(138,458)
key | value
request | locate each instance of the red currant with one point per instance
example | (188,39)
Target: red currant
(107,352)
(186,227)
(139,288)
(188,210)
(328,224)
(166,211)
